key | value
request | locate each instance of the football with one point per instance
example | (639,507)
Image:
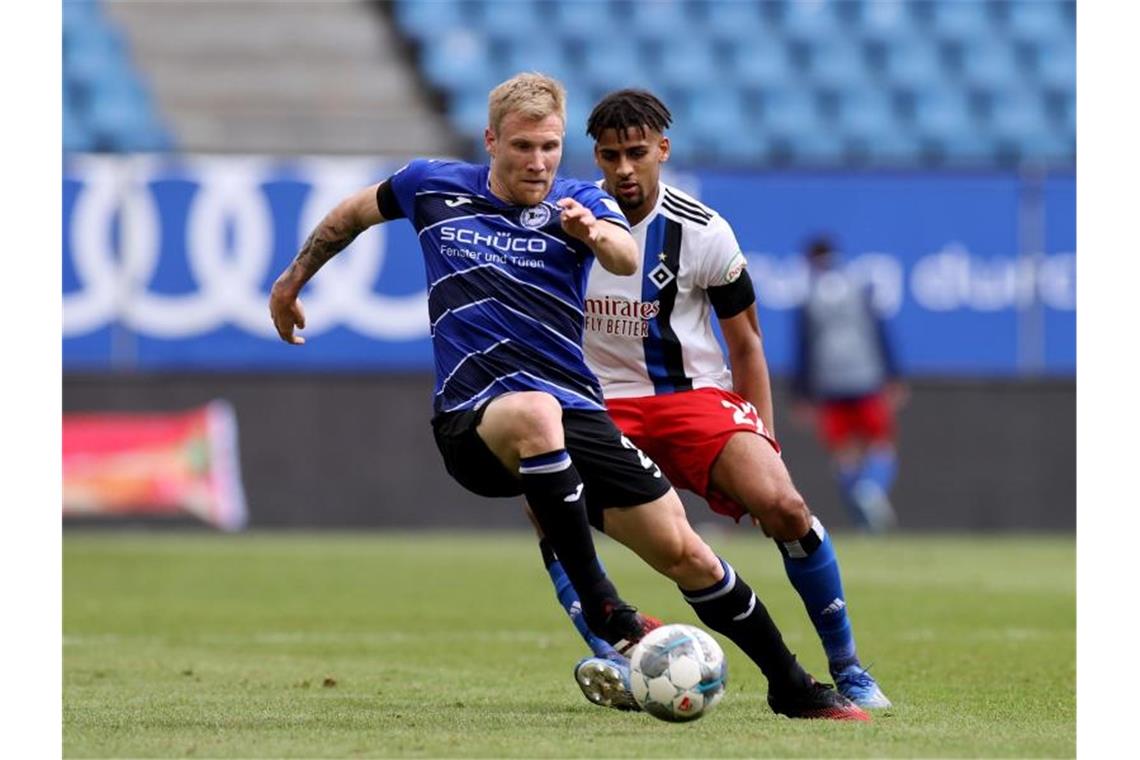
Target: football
(678,673)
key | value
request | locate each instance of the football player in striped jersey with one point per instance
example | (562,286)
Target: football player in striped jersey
(650,341)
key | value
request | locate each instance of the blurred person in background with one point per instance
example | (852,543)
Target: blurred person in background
(847,382)
(507,249)
(650,340)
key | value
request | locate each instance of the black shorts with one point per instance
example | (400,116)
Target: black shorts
(615,472)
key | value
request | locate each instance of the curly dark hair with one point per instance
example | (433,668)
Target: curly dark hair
(628,109)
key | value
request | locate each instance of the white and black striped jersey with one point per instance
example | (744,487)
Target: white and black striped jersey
(652,333)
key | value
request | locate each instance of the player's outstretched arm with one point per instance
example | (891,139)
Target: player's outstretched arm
(340,227)
(615,248)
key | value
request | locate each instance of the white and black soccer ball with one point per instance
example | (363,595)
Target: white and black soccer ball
(677,673)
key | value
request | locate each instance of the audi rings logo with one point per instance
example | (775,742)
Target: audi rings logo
(230,231)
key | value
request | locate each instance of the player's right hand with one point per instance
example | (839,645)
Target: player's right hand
(288,314)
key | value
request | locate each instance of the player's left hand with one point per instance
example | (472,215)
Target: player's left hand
(577,220)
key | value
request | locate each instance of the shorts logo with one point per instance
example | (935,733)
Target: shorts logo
(646,462)
(744,414)
(535,217)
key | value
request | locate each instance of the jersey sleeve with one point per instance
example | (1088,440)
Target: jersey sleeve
(721,260)
(601,204)
(722,271)
(408,180)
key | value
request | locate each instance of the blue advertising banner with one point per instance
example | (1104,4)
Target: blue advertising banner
(167,264)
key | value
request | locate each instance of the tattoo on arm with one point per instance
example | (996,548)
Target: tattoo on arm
(326,241)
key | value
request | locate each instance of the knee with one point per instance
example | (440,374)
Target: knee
(785,516)
(536,420)
(693,565)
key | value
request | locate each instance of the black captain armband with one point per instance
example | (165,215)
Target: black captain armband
(387,203)
(733,298)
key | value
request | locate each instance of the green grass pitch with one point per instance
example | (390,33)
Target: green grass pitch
(430,645)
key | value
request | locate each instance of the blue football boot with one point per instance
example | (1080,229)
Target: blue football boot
(855,683)
(605,682)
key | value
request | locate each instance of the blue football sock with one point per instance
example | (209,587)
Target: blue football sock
(813,569)
(880,467)
(568,598)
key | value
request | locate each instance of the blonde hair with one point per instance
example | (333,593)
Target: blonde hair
(533,95)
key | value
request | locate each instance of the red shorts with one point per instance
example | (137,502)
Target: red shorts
(868,418)
(685,432)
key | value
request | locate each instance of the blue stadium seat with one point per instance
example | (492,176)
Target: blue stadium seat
(750,147)
(914,64)
(991,62)
(760,63)
(80,16)
(93,53)
(467,110)
(978,148)
(789,111)
(884,21)
(578,107)
(77,138)
(942,114)
(731,22)
(457,60)
(960,20)
(1039,20)
(609,63)
(580,20)
(896,147)
(523,55)
(684,144)
(818,148)
(839,64)
(809,21)
(865,113)
(122,118)
(717,111)
(1056,65)
(511,20)
(420,20)
(689,63)
(1046,148)
(660,20)
(1018,115)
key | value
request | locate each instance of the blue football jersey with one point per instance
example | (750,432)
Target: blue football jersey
(506,285)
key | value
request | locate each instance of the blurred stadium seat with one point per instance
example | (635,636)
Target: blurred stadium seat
(882,21)
(727,21)
(106,106)
(957,20)
(662,20)
(1039,20)
(825,80)
(808,21)
(988,63)
(816,80)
